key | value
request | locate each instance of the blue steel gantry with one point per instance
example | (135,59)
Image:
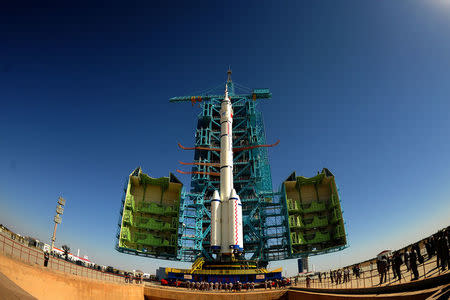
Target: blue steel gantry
(264,212)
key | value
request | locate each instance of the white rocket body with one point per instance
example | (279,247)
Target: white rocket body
(226,214)
(216,215)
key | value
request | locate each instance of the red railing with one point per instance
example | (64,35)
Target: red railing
(17,250)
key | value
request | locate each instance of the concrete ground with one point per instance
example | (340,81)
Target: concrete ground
(11,291)
(21,280)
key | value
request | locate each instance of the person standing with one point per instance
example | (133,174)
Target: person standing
(442,250)
(419,255)
(46,258)
(406,259)
(358,271)
(382,269)
(396,264)
(413,264)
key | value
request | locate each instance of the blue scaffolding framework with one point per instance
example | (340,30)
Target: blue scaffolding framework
(266,235)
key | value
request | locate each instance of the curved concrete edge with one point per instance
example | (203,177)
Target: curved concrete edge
(46,284)
(417,295)
(155,293)
(441,294)
(411,286)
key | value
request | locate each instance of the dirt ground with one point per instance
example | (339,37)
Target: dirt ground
(11,291)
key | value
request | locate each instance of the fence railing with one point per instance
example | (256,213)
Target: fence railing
(33,256)
(369,276)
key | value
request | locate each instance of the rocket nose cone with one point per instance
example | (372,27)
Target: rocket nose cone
(233,194)
(216,195)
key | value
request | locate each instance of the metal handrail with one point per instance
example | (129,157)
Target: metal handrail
(17,250)
(369,276)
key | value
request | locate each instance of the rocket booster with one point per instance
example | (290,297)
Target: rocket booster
(216,215)
(226,207)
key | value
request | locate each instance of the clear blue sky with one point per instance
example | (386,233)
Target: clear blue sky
(359,87)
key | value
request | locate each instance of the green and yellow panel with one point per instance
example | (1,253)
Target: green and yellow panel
(150,216)
(314,214)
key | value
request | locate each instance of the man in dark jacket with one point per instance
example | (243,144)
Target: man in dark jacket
(396,264)
(382,269)
(413,264)
(406,259)
(46,258)
(419,256)
(442,251)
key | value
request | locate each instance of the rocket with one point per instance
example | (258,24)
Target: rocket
(226,206)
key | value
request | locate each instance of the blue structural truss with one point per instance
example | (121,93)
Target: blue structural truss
(264,213)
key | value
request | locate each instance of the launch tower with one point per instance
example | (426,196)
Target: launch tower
(301,218)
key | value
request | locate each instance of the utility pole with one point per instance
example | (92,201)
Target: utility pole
(57,218)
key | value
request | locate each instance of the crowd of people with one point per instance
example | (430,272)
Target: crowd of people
(230,286)
(412,257)
(336,276)
(219,286)
(129,278)
(437,244)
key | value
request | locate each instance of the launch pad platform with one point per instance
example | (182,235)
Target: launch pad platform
(221,271)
